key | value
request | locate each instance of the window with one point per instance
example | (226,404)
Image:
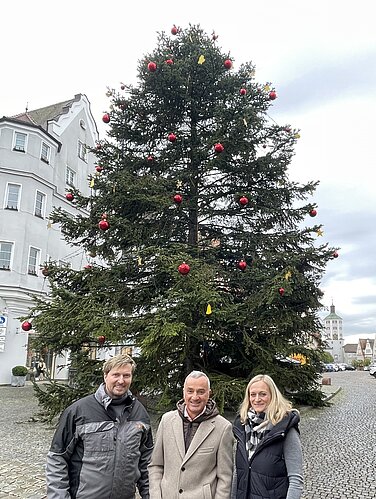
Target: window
(13,196)
(20,142)
(5,255)
(40,202)
(33,261)
(82,153)
(70,176)
(45,153)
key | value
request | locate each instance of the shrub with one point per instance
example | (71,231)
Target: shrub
(19,371)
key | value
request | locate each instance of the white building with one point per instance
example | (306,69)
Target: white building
(42,154)
(333,335)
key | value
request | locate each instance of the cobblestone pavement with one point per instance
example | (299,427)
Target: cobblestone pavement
(339,442)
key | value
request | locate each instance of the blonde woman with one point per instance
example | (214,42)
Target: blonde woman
(269,462)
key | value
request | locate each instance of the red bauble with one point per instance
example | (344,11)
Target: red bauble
(69,196)
(178,198)
(218,147)
(45,271)
(228,64)
(150,159)
(101,339)
(243,91)
(103,224)
(171,137)
(243,201)
(98,168)
(242,264)
(281,291)
(98,146)
(26,326)
(335,254)
(152,67)
(169,62)
(88,267)
(184,268)
(272,95)
(106,118)
(313,213)
(174,30)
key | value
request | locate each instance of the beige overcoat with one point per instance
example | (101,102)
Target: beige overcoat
(204,472)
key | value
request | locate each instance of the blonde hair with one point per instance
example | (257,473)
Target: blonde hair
(118,361)
(278,407)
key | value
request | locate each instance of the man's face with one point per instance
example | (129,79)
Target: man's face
(196,395)
(118,381)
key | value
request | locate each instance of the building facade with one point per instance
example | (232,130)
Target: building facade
(43,154)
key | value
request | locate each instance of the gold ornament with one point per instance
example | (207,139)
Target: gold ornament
(208,309)
(201,59)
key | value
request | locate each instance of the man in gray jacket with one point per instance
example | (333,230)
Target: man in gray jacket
(103,443)
(192,458)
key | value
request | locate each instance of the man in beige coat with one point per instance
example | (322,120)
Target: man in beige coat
(192,457)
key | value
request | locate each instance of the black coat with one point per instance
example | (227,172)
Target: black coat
(265,476)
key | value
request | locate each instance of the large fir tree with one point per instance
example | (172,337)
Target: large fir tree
(194,172)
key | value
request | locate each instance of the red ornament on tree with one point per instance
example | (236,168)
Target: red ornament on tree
(98,168)
(184,268)
(88,267)
(218,147)
(152,67)
(103,224)
(169,62)
(313,212)
(101,339)
(69,196)
(178,198)
(335,254)
(150,159)
(174,30)
(106,118)
(45,271)
(171,137)
(243,201)
(98,146)
(281,291)
(228,64)
(26,326)
(242,264)
(243,91)
(272,95)
(104,216)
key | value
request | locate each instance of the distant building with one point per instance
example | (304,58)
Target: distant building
(43,153)
(365,349)
(349,352)
(333,335)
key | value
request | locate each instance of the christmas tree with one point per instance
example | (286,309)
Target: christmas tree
(209,256)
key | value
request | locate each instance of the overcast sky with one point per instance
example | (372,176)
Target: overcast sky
(320,57)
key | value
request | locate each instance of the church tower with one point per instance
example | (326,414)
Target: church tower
(333,334)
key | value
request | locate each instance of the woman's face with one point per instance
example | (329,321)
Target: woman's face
(259,396)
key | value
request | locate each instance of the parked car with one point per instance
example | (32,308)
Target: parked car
(372,370)
(346,367)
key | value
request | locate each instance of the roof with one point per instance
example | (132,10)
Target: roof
(43,115)
(363,343)
(332,314)
(350,348)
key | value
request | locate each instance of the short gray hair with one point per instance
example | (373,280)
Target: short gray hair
(197,374)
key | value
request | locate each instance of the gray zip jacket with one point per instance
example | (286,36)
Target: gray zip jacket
(95,455)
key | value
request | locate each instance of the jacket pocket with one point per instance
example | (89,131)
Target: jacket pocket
(98,437)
